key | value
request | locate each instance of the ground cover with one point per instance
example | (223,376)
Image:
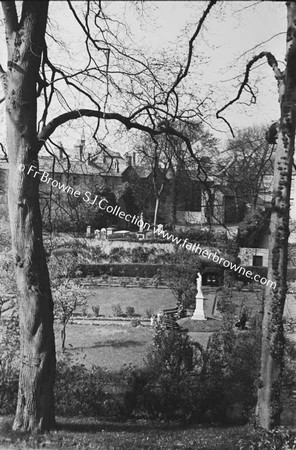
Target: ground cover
(91,434)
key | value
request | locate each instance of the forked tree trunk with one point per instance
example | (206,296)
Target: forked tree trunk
(25,39)
(269,406)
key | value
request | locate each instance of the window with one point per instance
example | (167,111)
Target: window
(257,261)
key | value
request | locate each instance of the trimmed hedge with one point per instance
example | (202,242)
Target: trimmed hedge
(145,270)
(142,270)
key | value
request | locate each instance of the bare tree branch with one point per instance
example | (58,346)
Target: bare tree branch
(183,73)
(279,75)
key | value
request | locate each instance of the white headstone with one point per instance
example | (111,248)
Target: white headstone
(110,231)
(103,233)
(88,230)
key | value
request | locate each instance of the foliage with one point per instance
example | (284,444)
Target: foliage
(9,335)
(169,386)
(232,367)
(123,269)
(64,213)
(67,292)
(254,225)
(149,313)
(181,277)
(130,311)
(79,391)
(9,356)
(96,310)
(279,438)
(117,310)
(249,160)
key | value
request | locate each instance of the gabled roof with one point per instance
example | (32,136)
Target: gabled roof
(73,166)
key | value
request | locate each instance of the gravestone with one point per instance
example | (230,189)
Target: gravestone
(110,231)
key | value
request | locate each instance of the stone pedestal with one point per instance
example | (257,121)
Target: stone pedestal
(199,308)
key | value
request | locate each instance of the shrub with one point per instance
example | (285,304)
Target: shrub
(78,391)
(169,386)
(130,311)
(149,313)
(86,392)
(232,367)
(96,310)
(117,310)
(9,357)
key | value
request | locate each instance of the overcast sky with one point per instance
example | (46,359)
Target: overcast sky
(228,39)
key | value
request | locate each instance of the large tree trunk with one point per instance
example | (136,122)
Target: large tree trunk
(269,406)
(25,40)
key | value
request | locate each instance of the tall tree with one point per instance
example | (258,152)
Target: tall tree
(30,73)
(247,166)
(269,384)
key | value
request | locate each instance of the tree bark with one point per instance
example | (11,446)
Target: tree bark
(25,42)
(268,405)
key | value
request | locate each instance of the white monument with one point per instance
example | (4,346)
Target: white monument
(199,298)
(141,223)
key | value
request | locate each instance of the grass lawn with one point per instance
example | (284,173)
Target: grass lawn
(141,299)
(92,434)
(107,345)
(111,345)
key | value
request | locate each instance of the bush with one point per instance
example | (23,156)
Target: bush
(9,357)
(96,310)
(122,269)
(232,367)
(79,391)
(89,392)
(130,311)
(169,386)
(149,313)
(117,310)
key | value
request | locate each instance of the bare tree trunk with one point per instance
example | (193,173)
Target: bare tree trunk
(173,201)
(269,406)
(63,336)
(156,212)
(25,40)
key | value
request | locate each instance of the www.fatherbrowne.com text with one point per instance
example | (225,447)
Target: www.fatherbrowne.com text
(103,204)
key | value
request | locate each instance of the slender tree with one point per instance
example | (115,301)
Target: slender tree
(29,74)
(269,383)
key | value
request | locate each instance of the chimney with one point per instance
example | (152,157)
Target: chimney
(82,145)
(61,148)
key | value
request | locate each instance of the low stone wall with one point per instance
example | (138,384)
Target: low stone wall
(106,246)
